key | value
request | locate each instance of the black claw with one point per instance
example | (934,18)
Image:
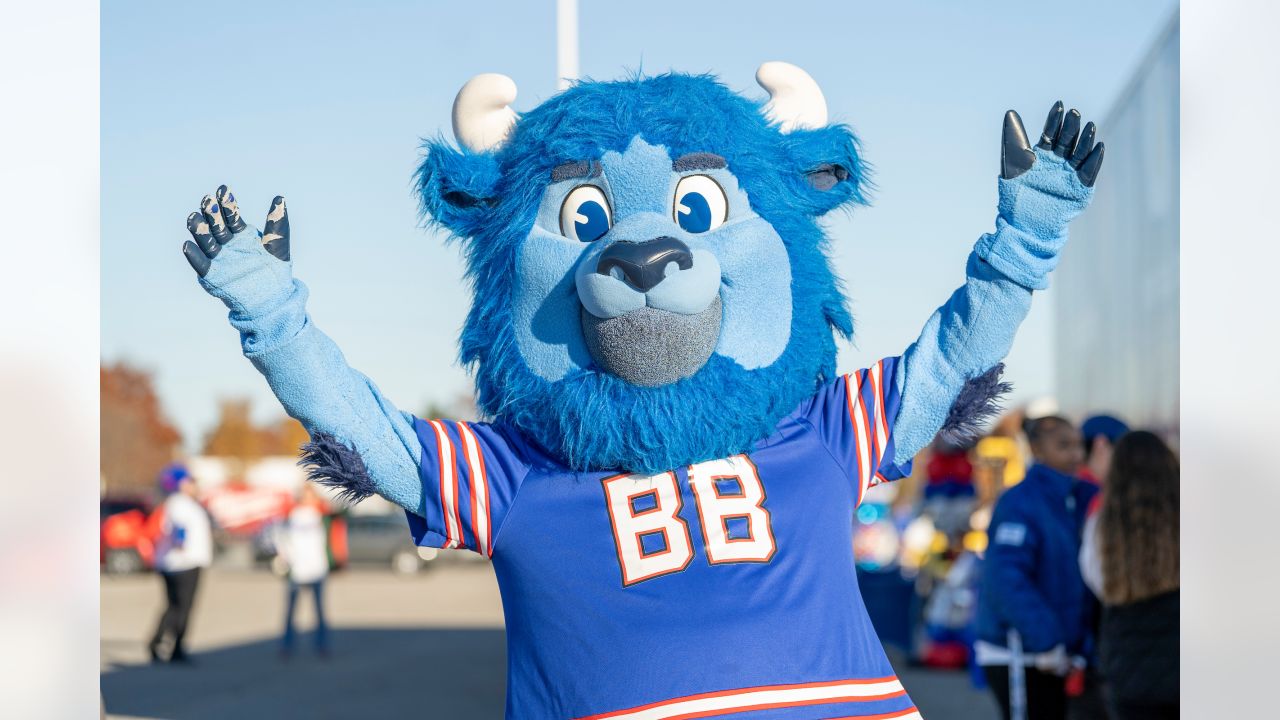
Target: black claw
(275,232)
(1051,127)
(1088,171)
(213,214)
(199,262)
(1067,136)
(1016,155)
(201,233)
(230,209)
(1084,146)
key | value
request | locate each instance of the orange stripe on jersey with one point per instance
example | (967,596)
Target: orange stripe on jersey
(873,453)
(870,414)
(910,713)
(457,497)
(787,704)
(857,418)
(767,697)
(481,520)
(881,429)
(864,427)
(448,486)
(862,440)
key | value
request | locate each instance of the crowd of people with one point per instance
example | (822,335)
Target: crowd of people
(1048,558)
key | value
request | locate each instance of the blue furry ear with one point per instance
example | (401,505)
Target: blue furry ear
(829,170)
(457,188)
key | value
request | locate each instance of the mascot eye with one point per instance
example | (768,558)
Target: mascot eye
(701,204)
(585,214)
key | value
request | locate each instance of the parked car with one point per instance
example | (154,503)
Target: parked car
(124,540)
(385,540)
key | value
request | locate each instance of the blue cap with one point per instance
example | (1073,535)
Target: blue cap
(1105,425)
(172,476)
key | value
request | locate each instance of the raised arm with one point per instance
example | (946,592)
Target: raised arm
(360,442)
(950,372)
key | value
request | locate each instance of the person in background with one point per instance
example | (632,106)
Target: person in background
(1032,608)
(184,545)
(1100,433)
(304,547)
(1130,559)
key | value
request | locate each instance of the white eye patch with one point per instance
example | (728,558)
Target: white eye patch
(700,204)
(585,214)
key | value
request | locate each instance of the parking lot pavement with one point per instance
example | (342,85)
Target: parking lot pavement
(430,645)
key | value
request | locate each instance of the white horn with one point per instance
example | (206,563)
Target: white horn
(482,114)
(795,100)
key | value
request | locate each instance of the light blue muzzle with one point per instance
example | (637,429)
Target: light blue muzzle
(651,310)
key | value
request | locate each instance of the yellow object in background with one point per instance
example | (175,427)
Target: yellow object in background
(975,541)
(1002,450)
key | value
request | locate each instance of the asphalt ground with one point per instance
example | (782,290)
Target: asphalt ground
(430,645)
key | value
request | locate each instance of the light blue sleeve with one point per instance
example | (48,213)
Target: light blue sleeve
(309,374)
(973,331)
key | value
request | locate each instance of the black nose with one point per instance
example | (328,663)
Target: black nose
(644,264)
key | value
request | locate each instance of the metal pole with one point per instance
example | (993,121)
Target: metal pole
(566,42)
(1017,678)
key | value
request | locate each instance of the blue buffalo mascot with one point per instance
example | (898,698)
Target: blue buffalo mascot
(670,464)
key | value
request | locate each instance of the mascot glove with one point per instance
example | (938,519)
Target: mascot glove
(1031,228)
(249,271)
(249,280)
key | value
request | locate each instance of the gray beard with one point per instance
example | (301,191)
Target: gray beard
(650,347)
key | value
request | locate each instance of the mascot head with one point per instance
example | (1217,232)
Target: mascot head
(651,282)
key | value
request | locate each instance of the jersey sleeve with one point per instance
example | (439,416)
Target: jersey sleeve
(854,415)
(470,473)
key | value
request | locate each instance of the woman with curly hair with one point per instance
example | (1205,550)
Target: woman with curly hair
(1130,560)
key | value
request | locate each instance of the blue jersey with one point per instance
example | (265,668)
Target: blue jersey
(722,589)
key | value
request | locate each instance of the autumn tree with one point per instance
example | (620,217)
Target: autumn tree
(235,436)
(284,437)
(137,439)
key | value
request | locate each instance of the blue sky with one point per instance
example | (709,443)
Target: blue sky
(325,103)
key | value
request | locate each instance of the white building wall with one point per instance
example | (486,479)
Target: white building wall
(1117,286)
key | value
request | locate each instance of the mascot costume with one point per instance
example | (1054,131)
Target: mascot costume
(668,477)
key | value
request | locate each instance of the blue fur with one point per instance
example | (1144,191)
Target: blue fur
(639,178)
(461,186)
(544,297)
(589,419)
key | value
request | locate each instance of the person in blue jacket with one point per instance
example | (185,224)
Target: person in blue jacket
(1033,614)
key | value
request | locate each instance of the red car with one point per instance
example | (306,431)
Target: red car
(128,526)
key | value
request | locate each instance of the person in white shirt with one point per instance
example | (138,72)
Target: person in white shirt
(303,545)
(185,545)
